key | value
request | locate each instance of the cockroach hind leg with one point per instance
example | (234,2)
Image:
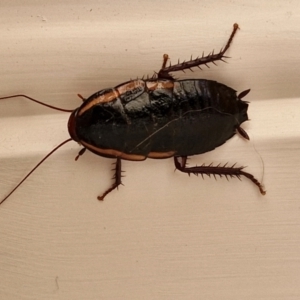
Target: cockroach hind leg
(117,179)
(219,171)
(203,60)
(165,60)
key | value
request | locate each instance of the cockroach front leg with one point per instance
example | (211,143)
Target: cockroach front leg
(117,177)
(80,153)
(204,60)
(216,170)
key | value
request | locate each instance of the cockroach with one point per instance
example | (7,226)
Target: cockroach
(160,117)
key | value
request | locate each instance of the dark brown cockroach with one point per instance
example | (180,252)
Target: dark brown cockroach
(160,117)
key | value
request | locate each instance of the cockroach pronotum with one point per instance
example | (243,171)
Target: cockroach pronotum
(159,117)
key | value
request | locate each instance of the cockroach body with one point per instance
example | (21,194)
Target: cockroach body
(159,118)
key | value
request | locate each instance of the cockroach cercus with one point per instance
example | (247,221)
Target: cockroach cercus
(160,117)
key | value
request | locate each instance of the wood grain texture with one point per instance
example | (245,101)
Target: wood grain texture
(163,235)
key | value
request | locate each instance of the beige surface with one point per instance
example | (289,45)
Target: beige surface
(163,235)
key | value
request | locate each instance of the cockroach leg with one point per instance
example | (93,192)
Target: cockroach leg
(80,153)
(117,178)
(165,60)
(217,170)
(81,97)
(203,60)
